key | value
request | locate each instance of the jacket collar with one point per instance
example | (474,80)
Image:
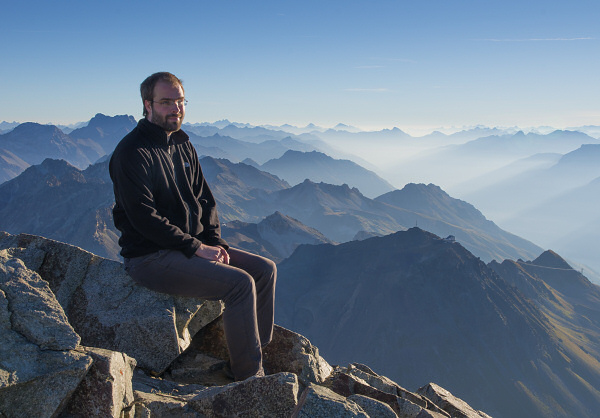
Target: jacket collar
(157,134)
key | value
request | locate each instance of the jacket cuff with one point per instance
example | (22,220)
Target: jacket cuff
(191,250)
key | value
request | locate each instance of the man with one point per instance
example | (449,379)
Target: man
(170,233)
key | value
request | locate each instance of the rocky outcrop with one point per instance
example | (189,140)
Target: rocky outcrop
(106,308)
(39,364)
(78,338)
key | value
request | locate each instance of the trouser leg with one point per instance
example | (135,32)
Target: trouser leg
(264,273)
(173,273)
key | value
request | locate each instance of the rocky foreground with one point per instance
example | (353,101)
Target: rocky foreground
(78,338)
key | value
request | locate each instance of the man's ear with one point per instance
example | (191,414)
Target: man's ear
(148,106)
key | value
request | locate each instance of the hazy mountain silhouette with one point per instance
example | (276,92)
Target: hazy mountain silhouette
(411,295)
(247,133)
(568,222)
(275,237)
(295,167)
(238,150)
(468,162)
(106,131)
(532,188)
(33,143)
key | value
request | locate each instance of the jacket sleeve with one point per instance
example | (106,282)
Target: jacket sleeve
(132,175)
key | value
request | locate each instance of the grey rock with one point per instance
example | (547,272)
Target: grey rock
(320,402)
(157,397)
(33,381)
(35,312)
(292,352)
(456,407)
(407,400)
(45,394)
(107,308)
(270,396)
(106,390)
(373,407)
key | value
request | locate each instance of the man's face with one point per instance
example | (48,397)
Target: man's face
(167,109)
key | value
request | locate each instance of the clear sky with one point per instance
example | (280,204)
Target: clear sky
(372,64)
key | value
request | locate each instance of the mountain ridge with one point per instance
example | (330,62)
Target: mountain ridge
(440,306)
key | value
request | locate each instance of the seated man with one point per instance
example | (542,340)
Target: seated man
(170,232)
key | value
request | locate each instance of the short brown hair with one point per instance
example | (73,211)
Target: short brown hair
(147,86)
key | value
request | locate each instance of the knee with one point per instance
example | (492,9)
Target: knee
(243,288)
(269,271)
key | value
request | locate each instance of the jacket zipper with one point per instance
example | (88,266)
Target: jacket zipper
(178,182)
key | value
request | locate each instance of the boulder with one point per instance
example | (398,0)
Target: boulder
(287,352)
(40,367)
(106,389)
(274,395)
(107,308)
(320,402)
(292,352)
(456,407)
(35,312)
(156,397)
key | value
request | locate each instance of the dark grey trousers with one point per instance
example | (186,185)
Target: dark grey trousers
(246,286)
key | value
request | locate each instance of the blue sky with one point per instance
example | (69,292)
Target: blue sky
(418,64)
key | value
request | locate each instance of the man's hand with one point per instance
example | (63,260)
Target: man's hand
(213,253)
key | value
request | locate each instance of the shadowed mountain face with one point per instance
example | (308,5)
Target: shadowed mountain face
(59,201)
(296,166)
(572,305)
(10,165)
(442,313)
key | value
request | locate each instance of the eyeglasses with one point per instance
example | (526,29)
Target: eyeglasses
(171,102)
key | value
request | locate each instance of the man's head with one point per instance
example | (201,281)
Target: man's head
(164,101)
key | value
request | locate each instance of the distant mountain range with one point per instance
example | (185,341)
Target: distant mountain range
(247,194)
(412,295)
(502,171)
(33,143)
(452,166)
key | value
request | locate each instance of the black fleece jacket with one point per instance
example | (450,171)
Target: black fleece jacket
(162,200)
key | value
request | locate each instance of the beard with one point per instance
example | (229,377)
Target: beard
(164,122)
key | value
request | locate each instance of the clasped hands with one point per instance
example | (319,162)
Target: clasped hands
(213,253)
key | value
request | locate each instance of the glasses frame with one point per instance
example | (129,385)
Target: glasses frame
(171,102)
